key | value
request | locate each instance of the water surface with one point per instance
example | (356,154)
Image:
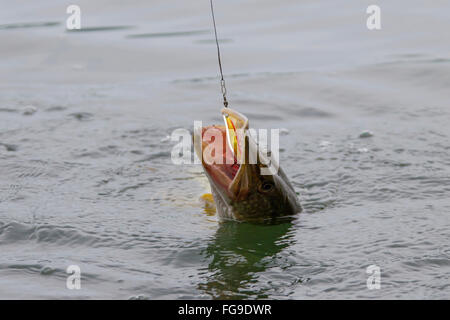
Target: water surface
(85,171)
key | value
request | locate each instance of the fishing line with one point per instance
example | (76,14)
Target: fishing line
(222,80)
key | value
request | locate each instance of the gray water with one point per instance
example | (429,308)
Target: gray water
(86,177)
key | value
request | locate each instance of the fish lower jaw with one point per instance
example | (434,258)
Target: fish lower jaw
(224,211)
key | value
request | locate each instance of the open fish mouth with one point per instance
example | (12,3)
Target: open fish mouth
(223,154)
(234,167)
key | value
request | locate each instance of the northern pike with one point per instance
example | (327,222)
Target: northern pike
(241,186)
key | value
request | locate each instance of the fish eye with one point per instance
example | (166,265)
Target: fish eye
(266,186)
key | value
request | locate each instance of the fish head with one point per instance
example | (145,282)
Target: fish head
(243,186)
